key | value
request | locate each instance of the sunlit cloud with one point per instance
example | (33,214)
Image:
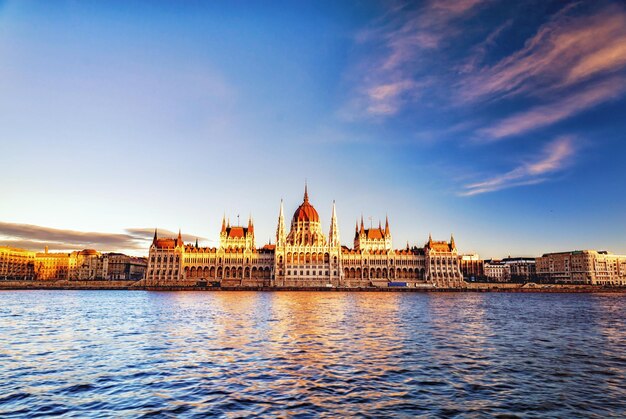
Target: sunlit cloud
(566,50)
(553,158)
(387,79)
(548,114)
(35,237)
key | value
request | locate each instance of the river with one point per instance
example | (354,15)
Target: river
(311,354)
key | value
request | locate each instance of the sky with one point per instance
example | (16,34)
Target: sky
(501,122)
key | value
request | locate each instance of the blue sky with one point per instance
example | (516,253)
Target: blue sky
(501,122)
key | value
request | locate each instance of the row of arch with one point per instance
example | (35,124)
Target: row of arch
(384,273)
(235,272)
(302,258)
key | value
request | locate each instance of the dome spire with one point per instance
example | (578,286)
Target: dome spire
(306,192)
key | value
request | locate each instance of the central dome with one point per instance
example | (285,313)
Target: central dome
(305,211)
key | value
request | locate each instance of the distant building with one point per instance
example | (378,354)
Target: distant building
(16,263)
(81,265)
(303,257)
(582,267)
(50,266)
(471,266)
(124,267)
(521,269)
(497,270)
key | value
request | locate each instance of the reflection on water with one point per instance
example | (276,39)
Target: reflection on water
(113,353)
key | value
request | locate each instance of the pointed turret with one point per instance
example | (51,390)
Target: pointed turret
(197,247)
(280,229)
(387,231)
(250,224)
(223,223)
(430,240)
(179,239)
(155,236)
(452,243)
(362,225)
(333,236)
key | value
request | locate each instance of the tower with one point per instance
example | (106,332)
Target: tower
(280,230)
(333,236)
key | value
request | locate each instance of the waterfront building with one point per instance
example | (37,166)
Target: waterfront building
(471,266)
(81,265)
(521,269)
(497,270)
(16,263)
(50,266)
(582,267)
(124,267)
(303,257)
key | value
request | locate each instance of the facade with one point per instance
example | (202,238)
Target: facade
(82,265)
(16,263)
(497,270)
(124,267)
(304,256)
(521,269)
(582,267)
(471,267)
(49,266)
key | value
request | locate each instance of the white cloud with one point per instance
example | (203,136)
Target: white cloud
(548,114)
(566,50)
(553,158)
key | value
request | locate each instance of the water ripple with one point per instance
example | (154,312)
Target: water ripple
(234,354)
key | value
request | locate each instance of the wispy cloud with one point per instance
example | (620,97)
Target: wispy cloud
(388,77)
(553,158)
(567,50)
(548,114)
(35,237)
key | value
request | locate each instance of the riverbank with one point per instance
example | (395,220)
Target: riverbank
(137,286)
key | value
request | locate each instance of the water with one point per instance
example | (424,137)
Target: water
(120,353)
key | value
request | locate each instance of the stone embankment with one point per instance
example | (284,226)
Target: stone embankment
(139,285)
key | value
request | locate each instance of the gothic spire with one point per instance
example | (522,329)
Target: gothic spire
(334,229)
(306,192)
(280,229)
(155,236)
(223,223)
(387,231)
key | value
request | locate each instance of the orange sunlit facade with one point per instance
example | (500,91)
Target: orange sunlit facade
(304,256)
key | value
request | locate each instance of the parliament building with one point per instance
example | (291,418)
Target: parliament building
(303,257)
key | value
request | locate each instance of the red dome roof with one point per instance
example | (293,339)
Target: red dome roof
(306,212)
